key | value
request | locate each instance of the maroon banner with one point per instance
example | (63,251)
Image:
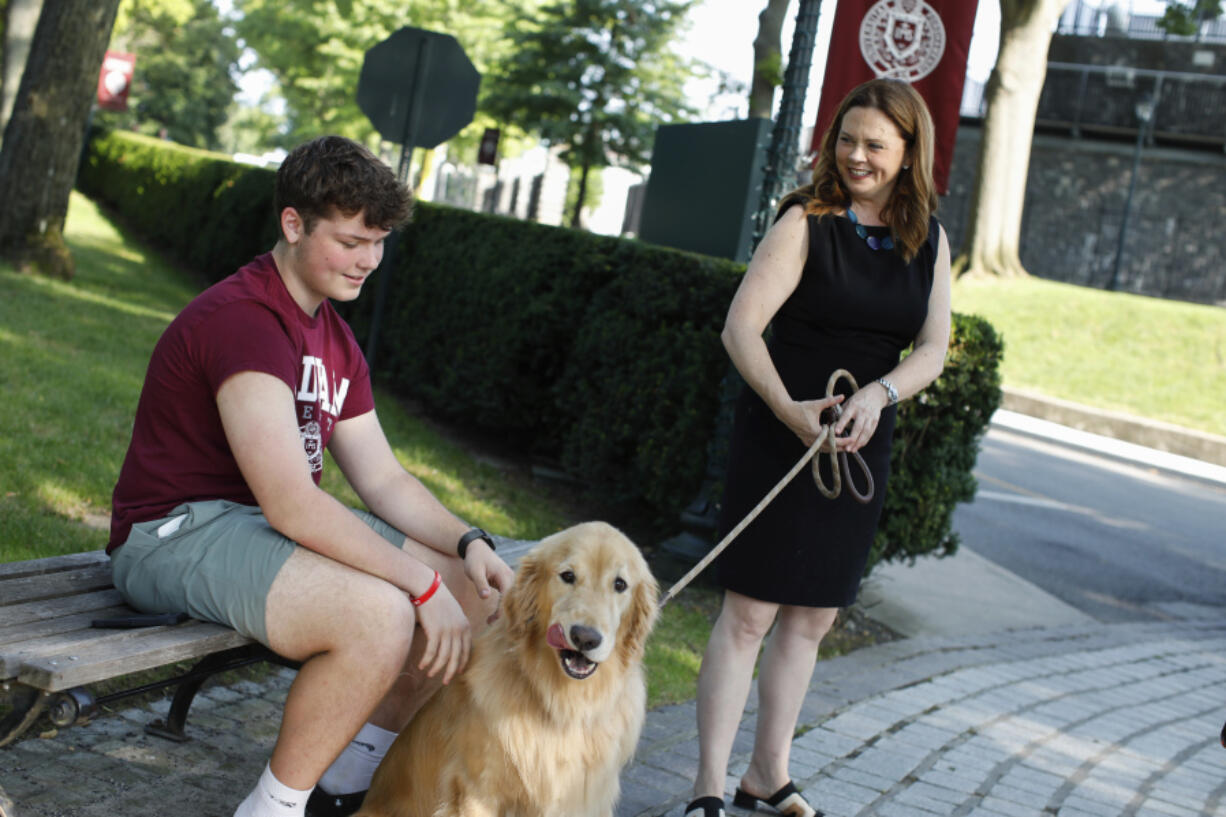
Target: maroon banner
(114,80)
(924,42)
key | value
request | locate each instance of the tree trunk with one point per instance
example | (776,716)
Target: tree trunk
(994,228)
(43,139)
(767,59)
(581,196)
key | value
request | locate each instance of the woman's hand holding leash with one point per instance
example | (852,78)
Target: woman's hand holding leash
(859,418)
(823,439)
(805,417)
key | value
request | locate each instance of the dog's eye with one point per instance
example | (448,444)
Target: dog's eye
(567,576)
(619,584)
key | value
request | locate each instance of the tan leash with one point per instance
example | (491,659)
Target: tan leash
(838,463)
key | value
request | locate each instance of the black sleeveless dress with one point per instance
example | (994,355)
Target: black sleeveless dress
(855,308)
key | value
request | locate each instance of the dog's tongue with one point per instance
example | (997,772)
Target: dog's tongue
(556,638)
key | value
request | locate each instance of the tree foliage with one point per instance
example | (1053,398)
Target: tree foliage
(254,129)
(315,49)
(1185,18)
(597,76)
(186,57)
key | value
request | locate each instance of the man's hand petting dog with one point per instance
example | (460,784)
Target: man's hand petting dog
(448,635)
(488,573)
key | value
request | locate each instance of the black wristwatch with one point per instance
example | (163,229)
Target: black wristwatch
(461,549)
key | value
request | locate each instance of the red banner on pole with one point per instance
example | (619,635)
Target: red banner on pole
(925,42)
(115,79)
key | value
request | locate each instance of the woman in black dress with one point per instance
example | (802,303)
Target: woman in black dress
(855,269)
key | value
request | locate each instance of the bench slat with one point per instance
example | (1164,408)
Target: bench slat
(18,614)
(54,585)
(79,639)
(105,658)
(52,564)
(11,637)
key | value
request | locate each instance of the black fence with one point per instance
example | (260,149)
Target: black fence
(1183,109)
(1173,107)
(1084,20)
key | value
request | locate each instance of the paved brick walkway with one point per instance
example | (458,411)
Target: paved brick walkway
(1103,721)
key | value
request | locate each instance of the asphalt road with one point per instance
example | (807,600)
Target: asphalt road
(1117,541)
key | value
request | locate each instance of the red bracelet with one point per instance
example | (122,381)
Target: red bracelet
(418,601)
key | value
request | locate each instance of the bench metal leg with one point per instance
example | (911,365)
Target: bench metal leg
(172,727)
(27,704)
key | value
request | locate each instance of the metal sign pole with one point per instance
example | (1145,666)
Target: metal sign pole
(412,117)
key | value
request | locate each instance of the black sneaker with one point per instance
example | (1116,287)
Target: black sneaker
(322,804)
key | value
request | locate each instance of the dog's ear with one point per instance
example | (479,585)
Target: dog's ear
(522,605)
(641,616)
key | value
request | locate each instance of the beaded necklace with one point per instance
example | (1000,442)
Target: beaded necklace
(874,243)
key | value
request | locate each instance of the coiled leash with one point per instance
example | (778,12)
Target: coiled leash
(838,464)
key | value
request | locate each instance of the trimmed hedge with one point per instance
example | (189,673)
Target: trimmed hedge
(599,353)
(208,212)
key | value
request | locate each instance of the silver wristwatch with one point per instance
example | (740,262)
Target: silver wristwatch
(891,392)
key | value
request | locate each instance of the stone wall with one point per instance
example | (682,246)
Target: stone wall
(1175,245)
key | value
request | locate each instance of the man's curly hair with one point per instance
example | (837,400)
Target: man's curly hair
(332,174)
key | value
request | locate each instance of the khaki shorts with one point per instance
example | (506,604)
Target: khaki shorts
(214,560)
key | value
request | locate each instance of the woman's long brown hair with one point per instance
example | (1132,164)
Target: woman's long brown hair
(914,198)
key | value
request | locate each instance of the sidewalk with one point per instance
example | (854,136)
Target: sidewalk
(1075,721)
(1001,702)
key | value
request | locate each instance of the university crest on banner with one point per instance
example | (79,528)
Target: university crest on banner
(902,39)
(923,43)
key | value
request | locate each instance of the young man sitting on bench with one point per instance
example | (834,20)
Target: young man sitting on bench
(218,510)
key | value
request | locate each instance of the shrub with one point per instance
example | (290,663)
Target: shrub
(936,441)
(640,390)
(480,316)
(205,211)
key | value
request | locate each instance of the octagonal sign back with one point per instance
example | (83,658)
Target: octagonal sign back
(418,87)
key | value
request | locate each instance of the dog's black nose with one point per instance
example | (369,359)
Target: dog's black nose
(585,638)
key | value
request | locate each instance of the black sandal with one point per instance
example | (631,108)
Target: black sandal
(786,801)
(706,807)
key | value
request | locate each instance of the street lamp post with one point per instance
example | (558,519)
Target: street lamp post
(1145,112)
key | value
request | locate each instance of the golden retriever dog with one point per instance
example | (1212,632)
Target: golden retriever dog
(551,704)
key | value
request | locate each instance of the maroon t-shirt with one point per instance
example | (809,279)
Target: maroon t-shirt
(248,322)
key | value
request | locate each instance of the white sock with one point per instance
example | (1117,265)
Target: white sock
(356,765)
(272,798)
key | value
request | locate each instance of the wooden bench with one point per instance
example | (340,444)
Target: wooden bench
(50,654)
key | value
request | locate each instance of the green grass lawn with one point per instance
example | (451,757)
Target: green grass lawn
(1153,358)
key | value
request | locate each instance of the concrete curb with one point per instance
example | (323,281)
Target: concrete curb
(1185,442)
(1109,447)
